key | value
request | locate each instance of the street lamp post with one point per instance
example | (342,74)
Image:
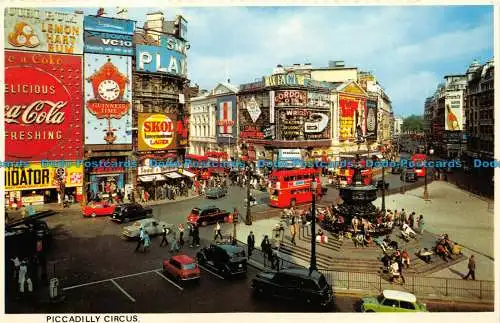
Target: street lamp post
(426,192)
(314,187)
(235,219)
(248,219)
(383,188)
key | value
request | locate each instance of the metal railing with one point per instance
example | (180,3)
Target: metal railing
(418,285)
(375,283)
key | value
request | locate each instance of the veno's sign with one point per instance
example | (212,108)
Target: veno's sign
(156,132)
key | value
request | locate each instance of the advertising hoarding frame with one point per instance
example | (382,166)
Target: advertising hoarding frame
(37,177)
(226,108)
(290,98)
(371,119)
(43,30)
(157,59)
(60,98)
(454,101)
(142,145)
(97,126)
(109,25)
(98,42)
(348,106)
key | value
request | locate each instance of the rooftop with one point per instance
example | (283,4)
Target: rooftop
(183,259)
(399,295)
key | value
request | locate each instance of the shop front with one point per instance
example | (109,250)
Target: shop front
(107,178)
(40,184)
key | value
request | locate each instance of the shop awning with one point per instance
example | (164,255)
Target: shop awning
(195,157)
(187,173)
(150,178)
(173,175)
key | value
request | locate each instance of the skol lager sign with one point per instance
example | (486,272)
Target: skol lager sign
(156,131)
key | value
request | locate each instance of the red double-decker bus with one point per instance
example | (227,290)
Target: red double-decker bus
(292,187)
(419,160)
(345,174)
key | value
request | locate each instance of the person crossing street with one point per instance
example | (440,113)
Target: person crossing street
(250,243)
(181,235)
(196,236)
(140,241)
(218,232)
(164,237)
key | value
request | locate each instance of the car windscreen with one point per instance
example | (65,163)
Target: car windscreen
(239,253)
(380,299)
(322,282)
(189,266)
(195,211)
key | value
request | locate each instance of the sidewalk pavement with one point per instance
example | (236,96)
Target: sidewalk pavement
(466,218)
(190,196)
(16,214)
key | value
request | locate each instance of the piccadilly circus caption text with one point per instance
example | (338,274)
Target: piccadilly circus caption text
(110,318)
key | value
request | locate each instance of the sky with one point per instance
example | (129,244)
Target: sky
(408,48)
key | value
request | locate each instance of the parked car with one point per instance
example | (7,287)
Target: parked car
(409,175)
(152,226)
(392,301)
(94,209)
(381,183)
(23,240)
(396,170)
(343,181)
(216,192)
(181,268)
(131,211)
(208,215)
(226,259)
(296,285)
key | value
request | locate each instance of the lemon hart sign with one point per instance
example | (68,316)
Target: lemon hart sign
(33,29)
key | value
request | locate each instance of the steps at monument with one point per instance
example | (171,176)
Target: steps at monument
(331,263)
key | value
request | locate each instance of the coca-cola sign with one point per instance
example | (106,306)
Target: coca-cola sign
(43,106)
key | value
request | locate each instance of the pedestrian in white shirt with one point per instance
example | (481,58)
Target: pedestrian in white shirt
(181,235)
(217,232)
(17,264)
(23,277)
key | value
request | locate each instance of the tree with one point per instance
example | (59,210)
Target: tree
(413,123)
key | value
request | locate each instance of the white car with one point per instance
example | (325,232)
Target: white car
(151,226)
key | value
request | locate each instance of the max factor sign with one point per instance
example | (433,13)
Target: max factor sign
(290,79)
(108,43)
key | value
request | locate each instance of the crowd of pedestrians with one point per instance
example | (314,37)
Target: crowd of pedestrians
(167,191)
(174,239)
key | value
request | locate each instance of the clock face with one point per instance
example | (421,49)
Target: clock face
(108,90)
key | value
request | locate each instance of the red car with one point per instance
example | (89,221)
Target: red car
(94,209)
(182,268)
